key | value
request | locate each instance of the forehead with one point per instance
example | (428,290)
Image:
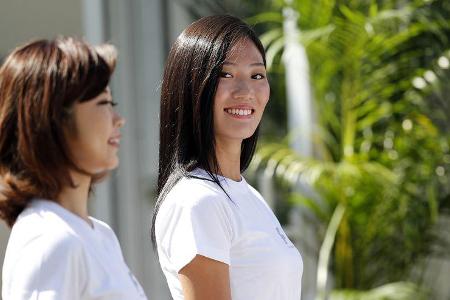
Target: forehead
(244,50)
(106,93)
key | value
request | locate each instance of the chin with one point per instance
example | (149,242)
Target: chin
(113,165)
(109,165)
(247,135)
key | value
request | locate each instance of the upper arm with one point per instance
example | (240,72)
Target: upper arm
(48,269)
(194,226)
(204,279)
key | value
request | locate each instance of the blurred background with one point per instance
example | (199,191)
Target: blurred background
(354,155)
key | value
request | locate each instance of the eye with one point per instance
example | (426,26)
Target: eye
(258,76)
(107,102)
(225,75)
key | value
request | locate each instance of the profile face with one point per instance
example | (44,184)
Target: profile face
(95,139)
(242,93)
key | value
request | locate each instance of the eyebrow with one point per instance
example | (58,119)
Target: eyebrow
(226,63)
(105,96)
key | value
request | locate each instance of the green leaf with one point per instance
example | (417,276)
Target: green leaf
(265,17)
(273,50)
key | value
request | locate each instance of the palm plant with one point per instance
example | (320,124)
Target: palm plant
(381,155)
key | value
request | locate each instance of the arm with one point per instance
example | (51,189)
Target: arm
(204,279)
(194,234)
(50,267)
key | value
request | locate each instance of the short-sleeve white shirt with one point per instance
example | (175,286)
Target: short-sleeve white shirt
(54,254)
(197,217)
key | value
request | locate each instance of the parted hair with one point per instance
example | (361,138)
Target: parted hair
(39,84)
(190,80)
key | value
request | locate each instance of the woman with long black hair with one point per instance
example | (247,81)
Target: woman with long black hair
(215,235)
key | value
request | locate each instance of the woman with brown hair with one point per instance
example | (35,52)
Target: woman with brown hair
(59,134)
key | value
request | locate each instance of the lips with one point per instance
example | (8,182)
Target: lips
(114,141)
(240,111)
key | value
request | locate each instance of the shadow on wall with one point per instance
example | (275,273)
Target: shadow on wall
(4,230)
(4,234)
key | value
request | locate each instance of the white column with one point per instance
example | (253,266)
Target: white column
(300,124)
(298,90)
(94,28)
(92,12)
(136,29)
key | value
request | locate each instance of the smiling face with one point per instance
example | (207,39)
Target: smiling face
(242,94)
(95,137)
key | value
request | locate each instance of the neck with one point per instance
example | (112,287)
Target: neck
(228,154)
(74,199)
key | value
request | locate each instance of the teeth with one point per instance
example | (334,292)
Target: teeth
(240,112)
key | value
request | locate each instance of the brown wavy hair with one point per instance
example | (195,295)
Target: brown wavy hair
(39,84)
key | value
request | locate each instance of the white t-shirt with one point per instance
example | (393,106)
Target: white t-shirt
(197,217)
(53,254)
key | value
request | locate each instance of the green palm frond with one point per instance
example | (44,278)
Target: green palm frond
(391,291)
(364,61)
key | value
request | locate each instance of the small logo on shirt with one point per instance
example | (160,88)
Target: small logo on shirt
(284,237)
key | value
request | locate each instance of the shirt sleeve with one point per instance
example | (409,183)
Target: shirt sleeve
(109,237)
(195,225)
(49,268)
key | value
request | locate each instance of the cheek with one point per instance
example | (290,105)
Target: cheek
(221,93)
(94,129)
(220,98)
(263,94)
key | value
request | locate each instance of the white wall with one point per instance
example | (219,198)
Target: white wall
(22,20)
(4,233)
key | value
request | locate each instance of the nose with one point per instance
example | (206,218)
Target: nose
(119,121)
(242,89)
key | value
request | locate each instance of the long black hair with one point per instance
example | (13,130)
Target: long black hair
(189,86)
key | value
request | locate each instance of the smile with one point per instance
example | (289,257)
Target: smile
(239,111)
